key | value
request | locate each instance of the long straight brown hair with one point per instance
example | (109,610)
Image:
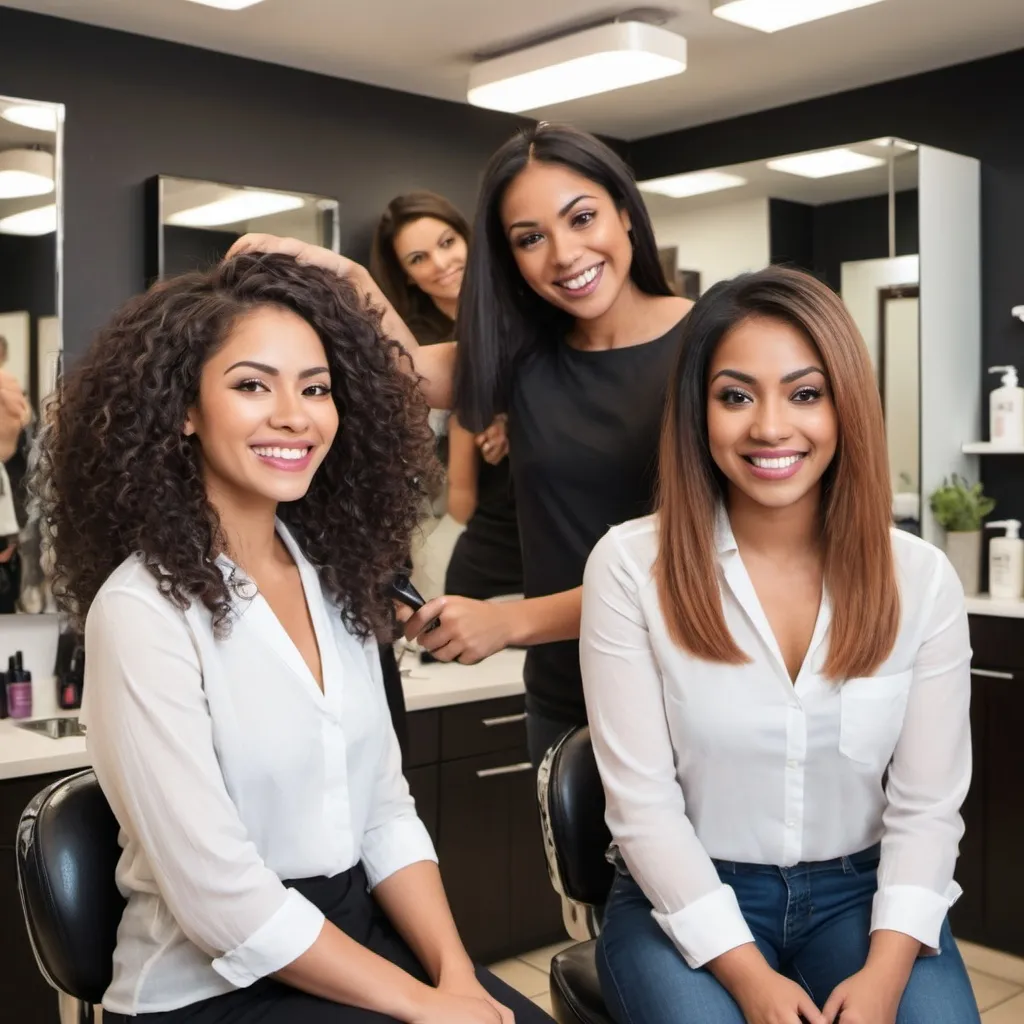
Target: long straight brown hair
(859,571)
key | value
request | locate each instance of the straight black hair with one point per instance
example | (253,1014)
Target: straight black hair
(500,316)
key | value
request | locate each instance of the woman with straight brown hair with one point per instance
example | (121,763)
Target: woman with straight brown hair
(778,687)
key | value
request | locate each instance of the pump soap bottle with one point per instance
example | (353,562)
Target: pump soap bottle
(1006,410)
(1006,562)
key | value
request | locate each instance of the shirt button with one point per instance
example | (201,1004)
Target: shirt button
(790,824)
(791,763)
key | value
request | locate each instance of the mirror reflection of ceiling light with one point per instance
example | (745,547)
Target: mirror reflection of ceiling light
(696,183)
(25,172)
(825,164)
(241,206)
(228,5)
(773,15)
(39,221)
(907,147)
(40,117)
(596,60)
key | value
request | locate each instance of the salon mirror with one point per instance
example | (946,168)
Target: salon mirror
(854,216)
(31,214)
(191,224)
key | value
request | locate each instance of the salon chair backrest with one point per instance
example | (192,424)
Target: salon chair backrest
(572,811)
(67,852)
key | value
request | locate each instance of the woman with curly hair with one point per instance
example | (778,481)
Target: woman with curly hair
(231,476)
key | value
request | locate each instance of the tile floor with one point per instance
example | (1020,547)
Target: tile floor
(998,980)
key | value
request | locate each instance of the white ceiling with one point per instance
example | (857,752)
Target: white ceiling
(427,47)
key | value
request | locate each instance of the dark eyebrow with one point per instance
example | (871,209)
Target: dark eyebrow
(561,213)
(745,378)
(271,371)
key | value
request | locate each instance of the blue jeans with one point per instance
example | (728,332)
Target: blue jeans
(811,923)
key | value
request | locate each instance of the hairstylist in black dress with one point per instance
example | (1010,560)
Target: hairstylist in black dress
(567,324)
(419,259)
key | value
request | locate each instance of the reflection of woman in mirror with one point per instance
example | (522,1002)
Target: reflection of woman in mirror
(567,323)
(226,514)
(419,256)
(779,686)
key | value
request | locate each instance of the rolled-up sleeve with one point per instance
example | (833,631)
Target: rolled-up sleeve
(394,837)
(646,810)
(929,776)
(150,738)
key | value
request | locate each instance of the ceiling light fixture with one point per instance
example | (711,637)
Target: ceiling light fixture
(228,5)
(825,164)
(773,15)
(41,117)
(39,221)
(25,172)
(696,183)
(596,60)
(241,206)
(894,143)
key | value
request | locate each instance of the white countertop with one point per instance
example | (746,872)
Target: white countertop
(985,605)
(426,686)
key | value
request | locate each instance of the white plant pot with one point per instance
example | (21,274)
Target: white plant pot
(964,551)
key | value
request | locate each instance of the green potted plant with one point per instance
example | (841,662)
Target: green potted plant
(959,508)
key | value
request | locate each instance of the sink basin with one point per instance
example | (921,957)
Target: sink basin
(55,728)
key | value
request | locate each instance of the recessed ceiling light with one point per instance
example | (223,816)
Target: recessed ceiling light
(41,117)
(228,5)
(241,206)
(596,60)
(679,186)
(40,221)
(773,15)
(825,164)
(25,172)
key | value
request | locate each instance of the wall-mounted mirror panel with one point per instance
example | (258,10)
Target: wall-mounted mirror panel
(853,215)
(31,217)
(192,224)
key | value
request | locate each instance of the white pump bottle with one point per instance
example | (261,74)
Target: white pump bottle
(1006,562)
(1006,410)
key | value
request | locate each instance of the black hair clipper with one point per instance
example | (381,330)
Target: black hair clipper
(402,590)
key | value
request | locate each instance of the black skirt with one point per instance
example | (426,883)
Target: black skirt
(346,903)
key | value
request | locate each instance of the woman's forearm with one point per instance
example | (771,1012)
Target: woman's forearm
(461,504)
(545,620)
(433,364)
(339,969)
(415,903)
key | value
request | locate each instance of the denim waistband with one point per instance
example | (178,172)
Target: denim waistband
(851,863)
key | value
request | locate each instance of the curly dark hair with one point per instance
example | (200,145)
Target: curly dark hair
(117,476)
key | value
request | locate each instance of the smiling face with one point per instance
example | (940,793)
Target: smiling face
(772,425)
(265,417)
(433,255)
(570,241)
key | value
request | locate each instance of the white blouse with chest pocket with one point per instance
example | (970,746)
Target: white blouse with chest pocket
(229,770)
(736,762)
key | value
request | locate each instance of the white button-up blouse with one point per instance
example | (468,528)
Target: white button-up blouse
(229,770)
(736,762)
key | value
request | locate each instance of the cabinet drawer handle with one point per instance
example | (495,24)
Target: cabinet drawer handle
(504,720)
(989,673)
(507,769)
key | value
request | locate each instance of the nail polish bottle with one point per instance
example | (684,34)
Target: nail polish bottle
(3,694)
(19,688)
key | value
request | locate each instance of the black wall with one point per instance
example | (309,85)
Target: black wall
(822,238)
(967,109)
(138,107)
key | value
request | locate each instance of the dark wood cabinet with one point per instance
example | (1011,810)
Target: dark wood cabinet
(488,828)
(991,910)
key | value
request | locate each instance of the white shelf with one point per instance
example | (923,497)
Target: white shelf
(988,448)
(985,605)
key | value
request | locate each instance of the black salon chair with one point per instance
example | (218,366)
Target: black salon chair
(576,839)
(67,853)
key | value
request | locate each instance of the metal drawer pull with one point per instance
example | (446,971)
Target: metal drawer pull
(508,769)
(504,720)
(989,673)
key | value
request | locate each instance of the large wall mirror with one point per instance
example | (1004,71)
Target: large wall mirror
(191,224)
(866,219)
(31,215)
